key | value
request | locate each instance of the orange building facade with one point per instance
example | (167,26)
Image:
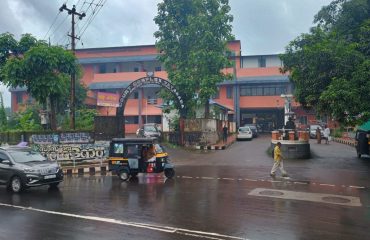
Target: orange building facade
(253,96)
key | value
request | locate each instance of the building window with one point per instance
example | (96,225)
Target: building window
(229,92)
(158,69)
(262,62)
(19,98)
(136,69)
(257,91)
(102,68)
(263,91)
(132,119)
(269,91)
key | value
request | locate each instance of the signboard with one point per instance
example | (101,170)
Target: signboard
(107,99)
(149,80)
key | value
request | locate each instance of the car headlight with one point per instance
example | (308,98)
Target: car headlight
(30,170)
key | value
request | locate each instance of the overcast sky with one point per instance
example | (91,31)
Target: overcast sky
(262,26)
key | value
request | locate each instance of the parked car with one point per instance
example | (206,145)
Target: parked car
(244,133)
(149,130)
(22,167)
(312,130)
(253,128)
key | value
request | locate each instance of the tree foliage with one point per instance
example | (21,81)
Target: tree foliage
(3,117)
(44,70)
(192,39)
(26,120)
(330,65)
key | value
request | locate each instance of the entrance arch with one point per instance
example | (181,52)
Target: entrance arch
(150,79)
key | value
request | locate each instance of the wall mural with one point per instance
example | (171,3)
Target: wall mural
(74,152)
(78,137)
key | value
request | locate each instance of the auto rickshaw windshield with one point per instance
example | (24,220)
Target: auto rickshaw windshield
(159,148)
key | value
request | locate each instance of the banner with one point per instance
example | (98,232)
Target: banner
(107,99)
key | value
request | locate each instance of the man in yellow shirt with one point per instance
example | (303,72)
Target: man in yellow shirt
(278,161)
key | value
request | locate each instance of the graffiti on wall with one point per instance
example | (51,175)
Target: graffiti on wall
(73,152)
(78,137)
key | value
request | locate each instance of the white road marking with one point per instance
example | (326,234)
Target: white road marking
(159,228)
(329,185)
(272,181)
(305,196)
(300,183)
(251,180)
(356,187)
(210,178)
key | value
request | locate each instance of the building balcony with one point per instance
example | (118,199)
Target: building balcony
(125,76)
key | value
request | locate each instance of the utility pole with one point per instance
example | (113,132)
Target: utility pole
(73,77)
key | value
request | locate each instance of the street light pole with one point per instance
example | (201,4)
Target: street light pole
(73,47)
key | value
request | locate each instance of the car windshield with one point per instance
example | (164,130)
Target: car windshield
(244,129)
(27,156)
(150,129)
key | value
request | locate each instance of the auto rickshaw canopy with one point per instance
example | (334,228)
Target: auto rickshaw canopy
(365,127)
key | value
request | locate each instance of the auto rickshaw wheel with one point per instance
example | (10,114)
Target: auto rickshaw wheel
(134,174)
(169,172)
(123,174)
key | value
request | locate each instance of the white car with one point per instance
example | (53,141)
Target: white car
(244,133)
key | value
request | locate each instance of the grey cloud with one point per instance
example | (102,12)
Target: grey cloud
(267,26)
(8,21)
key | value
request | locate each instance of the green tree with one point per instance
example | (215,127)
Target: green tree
(26,120)
(3,118)
(45,71)
(192,38)
(329,65)
(10,47)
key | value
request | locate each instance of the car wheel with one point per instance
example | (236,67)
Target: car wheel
(53,185)
(123,174)
(169,172)
(16,184)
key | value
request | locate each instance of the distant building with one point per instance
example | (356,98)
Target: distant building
(253,97)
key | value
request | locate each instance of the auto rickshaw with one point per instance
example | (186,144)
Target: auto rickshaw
(131,156)
(363,139)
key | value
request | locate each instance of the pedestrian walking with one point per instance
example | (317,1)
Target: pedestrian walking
(224,133)
(278,161)
(327,134)
(318,135)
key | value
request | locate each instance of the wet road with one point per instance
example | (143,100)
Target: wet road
(215,195)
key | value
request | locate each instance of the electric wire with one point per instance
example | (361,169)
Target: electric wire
(101,6)
(55,19)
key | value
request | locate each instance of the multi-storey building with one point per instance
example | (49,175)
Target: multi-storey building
(253,96)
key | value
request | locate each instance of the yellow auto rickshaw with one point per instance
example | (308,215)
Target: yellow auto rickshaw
(131,156)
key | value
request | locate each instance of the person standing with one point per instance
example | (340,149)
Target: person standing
(278,161)
(326,134)
(224,133)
